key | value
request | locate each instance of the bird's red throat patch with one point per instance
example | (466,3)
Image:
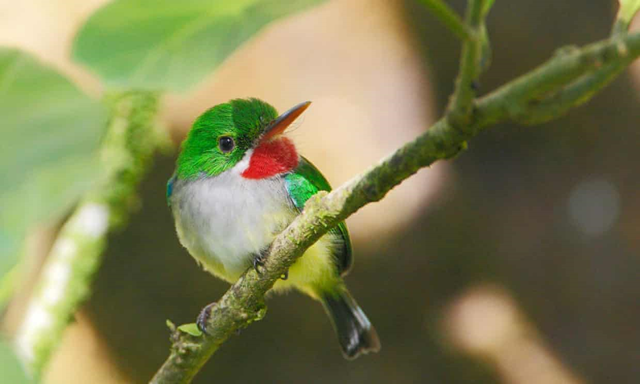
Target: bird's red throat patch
(272,158)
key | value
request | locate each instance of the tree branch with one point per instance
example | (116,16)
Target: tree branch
(461,103)
(449,18)
(68,272)
(513,101)
(243,303)
(582,89)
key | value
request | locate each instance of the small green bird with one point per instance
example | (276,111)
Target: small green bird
(238,183)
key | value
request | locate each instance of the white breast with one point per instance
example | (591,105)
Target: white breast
(224,221)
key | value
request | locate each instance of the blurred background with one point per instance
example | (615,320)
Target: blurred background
(517,262)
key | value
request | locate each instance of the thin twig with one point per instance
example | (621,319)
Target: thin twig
(571,96)
(449,18)
(461,103)
(513,101)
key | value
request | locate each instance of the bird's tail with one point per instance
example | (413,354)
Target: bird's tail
(355,333)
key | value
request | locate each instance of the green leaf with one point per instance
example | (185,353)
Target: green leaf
(10,367)
(50,131)
(168,44)
(191,328)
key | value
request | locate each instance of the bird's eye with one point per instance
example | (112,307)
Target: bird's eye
(226,144)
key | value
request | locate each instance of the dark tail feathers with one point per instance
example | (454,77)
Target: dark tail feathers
(355,333)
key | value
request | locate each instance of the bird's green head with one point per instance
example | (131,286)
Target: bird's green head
(226,134)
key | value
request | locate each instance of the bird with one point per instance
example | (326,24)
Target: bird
(239,181)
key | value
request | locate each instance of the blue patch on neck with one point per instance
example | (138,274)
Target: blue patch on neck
(170,183)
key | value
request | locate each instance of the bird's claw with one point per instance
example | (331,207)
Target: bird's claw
(258,262)
(203,318)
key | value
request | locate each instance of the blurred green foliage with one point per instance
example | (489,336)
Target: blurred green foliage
(50,132)
(171,45)
(11,370)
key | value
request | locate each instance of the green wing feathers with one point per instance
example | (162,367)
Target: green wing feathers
(304,182)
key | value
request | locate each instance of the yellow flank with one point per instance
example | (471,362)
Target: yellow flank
(315,269)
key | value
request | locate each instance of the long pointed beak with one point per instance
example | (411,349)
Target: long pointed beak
(283,121)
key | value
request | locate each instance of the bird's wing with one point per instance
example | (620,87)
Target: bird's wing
(304,182)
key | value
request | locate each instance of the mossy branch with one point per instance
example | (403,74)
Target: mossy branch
(67,275)
(461,103)
(573,75)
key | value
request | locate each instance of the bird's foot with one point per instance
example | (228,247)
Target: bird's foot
(258,260)
(203,318)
